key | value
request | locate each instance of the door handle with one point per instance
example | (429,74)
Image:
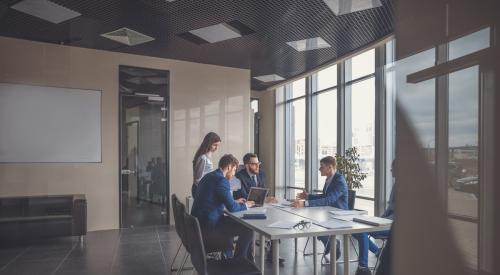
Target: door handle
(127,172)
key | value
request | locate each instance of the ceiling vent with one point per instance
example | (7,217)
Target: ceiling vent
(128,37)
(340,7)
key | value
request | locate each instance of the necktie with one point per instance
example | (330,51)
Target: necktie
(254,178)
(325,186)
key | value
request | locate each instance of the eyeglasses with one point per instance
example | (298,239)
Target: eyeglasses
(254,163)
(302,225)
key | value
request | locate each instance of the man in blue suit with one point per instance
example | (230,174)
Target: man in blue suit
(250,176)
(212,195)
(334,194)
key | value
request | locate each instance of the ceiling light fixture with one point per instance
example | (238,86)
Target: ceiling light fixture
(46,10)
(269,78)
(128,37)
(340,7)
(309,44)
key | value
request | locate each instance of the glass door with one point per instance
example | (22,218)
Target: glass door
(143,142)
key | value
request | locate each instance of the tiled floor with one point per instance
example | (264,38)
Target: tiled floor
(131,251)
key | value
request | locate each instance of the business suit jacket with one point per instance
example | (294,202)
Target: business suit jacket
(335,194)
(212,195)
(247,183)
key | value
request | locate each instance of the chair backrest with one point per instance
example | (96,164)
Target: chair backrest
(195,244)
(179,209)
(351,198)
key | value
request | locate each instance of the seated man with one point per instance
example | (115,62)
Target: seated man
(212,195)
(250,176)
(334,194)
(364,242)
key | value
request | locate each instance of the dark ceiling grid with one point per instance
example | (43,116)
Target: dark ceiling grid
(264,52)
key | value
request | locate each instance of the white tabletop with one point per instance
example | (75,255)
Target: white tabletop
(313,214)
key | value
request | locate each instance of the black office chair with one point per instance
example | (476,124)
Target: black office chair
(179,209)
(204,266)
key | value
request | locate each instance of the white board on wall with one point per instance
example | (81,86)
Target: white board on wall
(49,124)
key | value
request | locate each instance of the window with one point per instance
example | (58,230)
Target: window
(316,111)
(327,129)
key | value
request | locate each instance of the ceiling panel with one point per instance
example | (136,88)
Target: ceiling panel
(263,52)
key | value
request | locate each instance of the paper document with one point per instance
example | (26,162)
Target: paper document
(334,224)
(376,221)
(282,225)
(346,218)
(342,212)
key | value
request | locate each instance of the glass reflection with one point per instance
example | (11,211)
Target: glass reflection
(418,100)
(470,43)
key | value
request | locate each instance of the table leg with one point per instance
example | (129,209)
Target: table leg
(346,254)
(333,255)
(253,247)
(295,245)
(262,252)
(276,257)
(315,255)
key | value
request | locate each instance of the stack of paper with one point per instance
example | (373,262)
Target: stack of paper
(282,225)
(334,224)
(343,212)
(255,213)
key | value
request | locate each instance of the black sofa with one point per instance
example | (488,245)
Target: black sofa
(24,219)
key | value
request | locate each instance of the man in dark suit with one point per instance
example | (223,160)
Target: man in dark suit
(250,176)
(212,195)
(334,194)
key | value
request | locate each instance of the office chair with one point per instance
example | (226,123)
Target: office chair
(179,209)
(204,266)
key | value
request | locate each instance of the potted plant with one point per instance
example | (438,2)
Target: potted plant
(348,165)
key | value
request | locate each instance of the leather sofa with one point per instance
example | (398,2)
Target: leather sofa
(23,219)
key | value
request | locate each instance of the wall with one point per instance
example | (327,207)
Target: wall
(267,132)
(202,98)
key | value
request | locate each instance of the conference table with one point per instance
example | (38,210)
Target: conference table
(315,215)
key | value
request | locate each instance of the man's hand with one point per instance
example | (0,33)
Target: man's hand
(250,204)
(302,196)
(241,200)
(270,199)
(297,204)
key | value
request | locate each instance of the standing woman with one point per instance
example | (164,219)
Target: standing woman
(202,162)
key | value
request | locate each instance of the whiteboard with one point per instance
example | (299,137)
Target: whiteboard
(49,124)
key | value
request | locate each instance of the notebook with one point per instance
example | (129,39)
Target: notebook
(376,221)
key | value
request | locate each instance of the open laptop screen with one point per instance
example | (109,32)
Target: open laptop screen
(258,195)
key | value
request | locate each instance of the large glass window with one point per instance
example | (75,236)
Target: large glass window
(363,132)
(327,128)
(296,139)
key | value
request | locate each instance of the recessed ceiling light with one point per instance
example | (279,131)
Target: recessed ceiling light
(216,33)
(309,44)
(128,37)
(46,10)
(340,7)
(269,78)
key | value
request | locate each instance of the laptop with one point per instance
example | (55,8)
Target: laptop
(258,195)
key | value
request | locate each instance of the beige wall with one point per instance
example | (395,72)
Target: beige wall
(267,131)
(202,98)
